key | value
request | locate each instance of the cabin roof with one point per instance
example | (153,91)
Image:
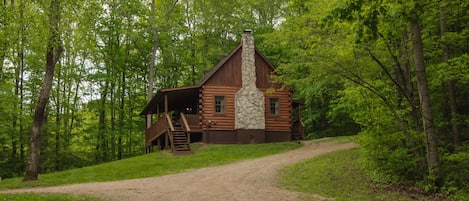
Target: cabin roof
(179,96)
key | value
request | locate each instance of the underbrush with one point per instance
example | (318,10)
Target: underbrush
(455,173)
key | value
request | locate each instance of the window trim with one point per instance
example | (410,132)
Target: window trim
(276,107)
(222,105)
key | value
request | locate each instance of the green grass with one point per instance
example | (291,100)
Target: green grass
(338,176)
(155,164)
(44,197)
(338,139)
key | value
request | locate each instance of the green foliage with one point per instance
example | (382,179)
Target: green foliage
(390,158)
(455,69)
(155,164)
(456,178)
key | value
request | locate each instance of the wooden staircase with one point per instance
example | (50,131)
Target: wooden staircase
(180,141)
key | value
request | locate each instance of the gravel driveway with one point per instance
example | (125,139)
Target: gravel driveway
(255,179)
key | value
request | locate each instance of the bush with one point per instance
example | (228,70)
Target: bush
(455,175)
(390,159)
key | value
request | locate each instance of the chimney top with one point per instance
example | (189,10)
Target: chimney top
(247,31)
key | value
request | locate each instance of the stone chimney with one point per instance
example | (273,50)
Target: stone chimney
(248,63)
(249,100)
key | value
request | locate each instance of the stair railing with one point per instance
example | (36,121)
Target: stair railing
(170,131)
(186,127)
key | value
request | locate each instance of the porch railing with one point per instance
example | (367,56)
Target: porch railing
(190,123)
(161,126)
(193,122)
(186,127)
(298,129)
(170,130)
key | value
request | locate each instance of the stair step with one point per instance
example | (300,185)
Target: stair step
(180,142)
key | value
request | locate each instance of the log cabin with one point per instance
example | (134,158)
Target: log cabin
(235,103)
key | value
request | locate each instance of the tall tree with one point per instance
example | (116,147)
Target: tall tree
(54,50)
(451,84)
(433,160)
(151,63)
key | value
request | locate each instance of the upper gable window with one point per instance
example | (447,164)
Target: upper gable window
(219,105)
(274,106)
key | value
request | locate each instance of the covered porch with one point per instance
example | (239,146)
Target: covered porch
(298,127)
(174,121)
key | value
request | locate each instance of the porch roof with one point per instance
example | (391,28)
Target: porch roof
(177,98)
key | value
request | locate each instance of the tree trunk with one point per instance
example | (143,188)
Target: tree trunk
(102,140)
(409,84)
(57,121)
(151,64)
(433,160)
(121,110)
(18,107)
(54,49)
(451,85)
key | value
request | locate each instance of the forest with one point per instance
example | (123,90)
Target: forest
(75,74)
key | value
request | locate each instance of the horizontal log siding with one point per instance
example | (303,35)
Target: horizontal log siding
(282,121)
(207,107)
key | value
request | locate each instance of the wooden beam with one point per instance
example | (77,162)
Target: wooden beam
(166,104)
(159,144)
(166,141)
(157,112)
(299,112)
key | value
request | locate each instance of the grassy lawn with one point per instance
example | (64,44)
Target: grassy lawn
(338,176)
(155,164)
(44,197)
(338,139)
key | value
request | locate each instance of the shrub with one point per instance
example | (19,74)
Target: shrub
(390,159)
(455,175)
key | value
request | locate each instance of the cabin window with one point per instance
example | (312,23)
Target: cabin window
(219,105)
(274,106)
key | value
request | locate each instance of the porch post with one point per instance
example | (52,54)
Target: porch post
(159,144)
(166,141)
(166,104)
(299,112)
(157,112)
